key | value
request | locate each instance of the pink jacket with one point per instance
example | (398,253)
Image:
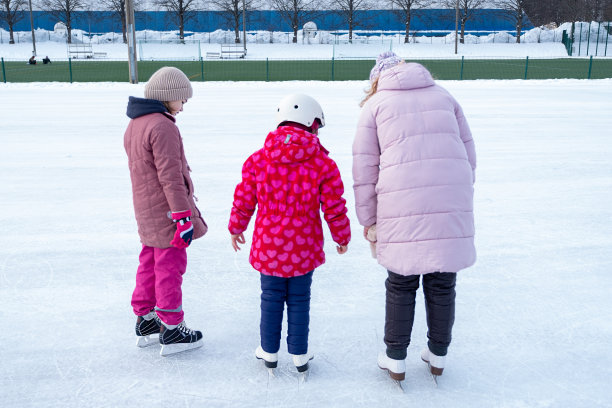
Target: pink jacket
(160,176)
(413,171)
(291,179)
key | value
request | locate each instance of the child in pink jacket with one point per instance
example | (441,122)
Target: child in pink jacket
(168,219)
(290,180)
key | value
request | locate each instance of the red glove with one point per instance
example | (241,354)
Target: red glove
(184,229)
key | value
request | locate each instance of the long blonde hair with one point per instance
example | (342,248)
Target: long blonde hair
(370,91)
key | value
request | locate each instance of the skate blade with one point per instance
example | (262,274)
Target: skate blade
(169,349)
(303,376)
(146,341)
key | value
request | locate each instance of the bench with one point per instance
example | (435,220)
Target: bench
(213,55)
(232,51)
(84,51)
(80,51)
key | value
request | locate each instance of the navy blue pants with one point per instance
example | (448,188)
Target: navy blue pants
(275,292)
(439,290)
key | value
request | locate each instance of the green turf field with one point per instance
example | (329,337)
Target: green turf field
(308,70)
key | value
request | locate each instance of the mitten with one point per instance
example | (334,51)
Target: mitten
(184,229)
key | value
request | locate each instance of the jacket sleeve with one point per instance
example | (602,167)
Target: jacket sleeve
(366,161)
(245,199)
(167,148)
(333,205)
(466,137)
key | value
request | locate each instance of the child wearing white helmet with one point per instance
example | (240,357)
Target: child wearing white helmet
(290,180)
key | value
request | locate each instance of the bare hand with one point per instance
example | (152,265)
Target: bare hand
(237,239)
(342,249)
(365,232)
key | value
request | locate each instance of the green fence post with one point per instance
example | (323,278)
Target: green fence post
(597,44)
(526,66)
(3,71)
(202,67)
(607,35)
(70,68)
(590,66)
(580,40)
(461,74)
(332,73)
(589,40)
(267,70)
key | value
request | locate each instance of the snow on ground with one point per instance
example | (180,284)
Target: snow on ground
(533,315)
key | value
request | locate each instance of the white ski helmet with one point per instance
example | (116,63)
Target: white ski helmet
(299,108)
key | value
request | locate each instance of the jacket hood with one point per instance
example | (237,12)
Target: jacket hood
(138,107)
(289,144)
(405,76)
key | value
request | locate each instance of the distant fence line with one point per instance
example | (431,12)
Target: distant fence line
(305,70)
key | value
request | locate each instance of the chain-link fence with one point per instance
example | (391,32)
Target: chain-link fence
(307,70)
(588,39)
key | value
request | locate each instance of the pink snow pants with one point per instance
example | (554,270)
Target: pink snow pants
(158,283)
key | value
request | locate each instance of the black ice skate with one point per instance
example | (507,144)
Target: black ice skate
(179,338)
(147,326)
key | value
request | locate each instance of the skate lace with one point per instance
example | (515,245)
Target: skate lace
(184,329)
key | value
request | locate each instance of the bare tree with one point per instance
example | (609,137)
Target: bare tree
(514,10)
(467,11)
(63,11)
(543,12)
(295,12)
(350,10)
(12,12)
(117,7)
(232,11)
(607,13)
(181,11)
(405,9)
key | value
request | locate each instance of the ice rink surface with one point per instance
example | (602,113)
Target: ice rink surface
(534,315)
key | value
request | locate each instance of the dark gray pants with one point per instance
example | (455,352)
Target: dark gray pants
(439,290)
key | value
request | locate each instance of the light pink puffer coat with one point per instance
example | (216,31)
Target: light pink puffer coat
(413,171)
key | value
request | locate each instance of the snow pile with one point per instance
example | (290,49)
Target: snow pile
(536,35)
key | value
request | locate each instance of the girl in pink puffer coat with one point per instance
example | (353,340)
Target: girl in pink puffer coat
(413,170)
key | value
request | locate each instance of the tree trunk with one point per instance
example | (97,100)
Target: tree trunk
(11,38)
(69,28)
(237,28)
(407,37)
(462,38)
(295,30)
(124,28)
(182,26)
(518,33)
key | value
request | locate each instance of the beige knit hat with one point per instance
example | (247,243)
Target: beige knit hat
(168,84)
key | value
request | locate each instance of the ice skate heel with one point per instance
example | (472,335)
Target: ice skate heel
(147,329)
(435,363)
(301,361)
(179,338)
(395,368)
(270,359)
